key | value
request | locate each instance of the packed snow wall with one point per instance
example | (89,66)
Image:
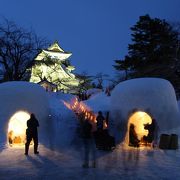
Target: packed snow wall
(99,102)
(63,127)
(23,97)
(154,96)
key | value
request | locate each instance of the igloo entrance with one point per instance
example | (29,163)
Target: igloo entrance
(137,120)
(17,128)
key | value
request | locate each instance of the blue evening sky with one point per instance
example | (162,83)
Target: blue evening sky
(96,31)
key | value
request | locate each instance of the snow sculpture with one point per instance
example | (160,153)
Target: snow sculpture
(17,101)
(139,100)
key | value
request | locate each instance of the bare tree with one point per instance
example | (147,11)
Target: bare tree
(85,81)
(18,48)
(100,77)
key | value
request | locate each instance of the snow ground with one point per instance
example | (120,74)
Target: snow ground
(122,163)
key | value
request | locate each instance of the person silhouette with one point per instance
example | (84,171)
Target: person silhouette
(89,144)
(133,138)
(152,132)
(100,120)
(32,134)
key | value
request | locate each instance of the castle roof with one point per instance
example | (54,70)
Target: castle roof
(54,51)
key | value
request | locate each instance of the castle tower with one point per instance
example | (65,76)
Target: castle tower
(52,65)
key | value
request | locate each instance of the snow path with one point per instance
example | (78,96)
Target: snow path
(120,164)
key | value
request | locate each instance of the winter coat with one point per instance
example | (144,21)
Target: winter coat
(87,130)
(32,125)
(100,120)
(133,138)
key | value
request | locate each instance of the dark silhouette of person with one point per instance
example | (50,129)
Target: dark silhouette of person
(10,137)
(100,120)
(32,134)
(89,144)
(151,131)
(104,141)
(99,135)
(133,139)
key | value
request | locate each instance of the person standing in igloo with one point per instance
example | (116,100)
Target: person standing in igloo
(32,133)
(133,139)
(152,132)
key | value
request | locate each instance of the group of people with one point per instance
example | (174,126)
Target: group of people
(96,138)
(151,137)
(88,137)
(88,134)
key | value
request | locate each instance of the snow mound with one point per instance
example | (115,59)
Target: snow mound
(22,96)
(154,96)
(99,102)
(93,91)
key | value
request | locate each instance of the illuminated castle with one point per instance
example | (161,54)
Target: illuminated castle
(52,70)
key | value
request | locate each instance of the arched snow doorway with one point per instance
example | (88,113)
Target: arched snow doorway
(138,119)
(17,128)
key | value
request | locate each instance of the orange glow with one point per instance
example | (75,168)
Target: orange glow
(139,118)
(17,127)
(105,125)
(67,105)
(80,107)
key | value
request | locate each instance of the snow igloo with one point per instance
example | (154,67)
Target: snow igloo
(17,101)
(138,101)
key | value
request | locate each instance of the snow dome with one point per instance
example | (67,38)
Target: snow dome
(98,102)
(139,100)
(17,101)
